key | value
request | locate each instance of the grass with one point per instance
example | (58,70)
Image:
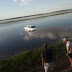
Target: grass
(32,59)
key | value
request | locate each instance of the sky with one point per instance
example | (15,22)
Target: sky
(17,8)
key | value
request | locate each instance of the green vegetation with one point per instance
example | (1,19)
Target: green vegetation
(32,59)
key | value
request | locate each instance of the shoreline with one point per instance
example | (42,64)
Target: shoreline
(31,60)
(35,16)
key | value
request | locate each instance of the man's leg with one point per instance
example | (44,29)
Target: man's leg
(46,70)
(71,61)
(70,58)
(46,67)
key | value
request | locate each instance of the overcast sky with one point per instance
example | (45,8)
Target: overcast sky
(16,8)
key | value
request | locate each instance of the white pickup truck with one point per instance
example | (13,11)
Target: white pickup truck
(30,27)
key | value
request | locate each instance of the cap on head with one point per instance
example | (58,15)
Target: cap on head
(64,40)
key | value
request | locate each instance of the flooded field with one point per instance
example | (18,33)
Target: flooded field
(15,39)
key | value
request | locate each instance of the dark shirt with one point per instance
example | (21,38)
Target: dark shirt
(48,55)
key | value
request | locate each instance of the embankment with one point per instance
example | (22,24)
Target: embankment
(31,60)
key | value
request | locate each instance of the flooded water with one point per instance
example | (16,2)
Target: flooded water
(14,39)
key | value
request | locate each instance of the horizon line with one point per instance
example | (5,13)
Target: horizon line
(34,15)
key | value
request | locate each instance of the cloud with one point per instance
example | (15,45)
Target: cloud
(15,0)
(52,33)
(24,2)
(26,37)
(40,34)
(21,34)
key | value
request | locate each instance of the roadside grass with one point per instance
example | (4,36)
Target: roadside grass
(31,59)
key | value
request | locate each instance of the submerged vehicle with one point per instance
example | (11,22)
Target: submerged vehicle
(30,28)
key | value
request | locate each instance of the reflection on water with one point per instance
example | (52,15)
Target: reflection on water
(30,30)
(50,32)
(40,34)
(14,39)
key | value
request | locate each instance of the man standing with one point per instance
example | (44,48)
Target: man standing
(47,59)
(69,50)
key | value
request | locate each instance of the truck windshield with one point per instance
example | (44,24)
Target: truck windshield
(33,27)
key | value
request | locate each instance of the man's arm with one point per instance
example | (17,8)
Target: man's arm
(68,49)
(42,62)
